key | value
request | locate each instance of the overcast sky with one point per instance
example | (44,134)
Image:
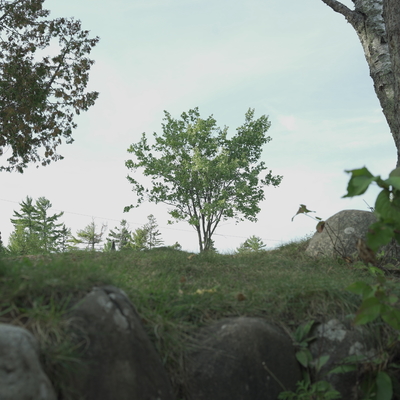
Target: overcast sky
(296,61)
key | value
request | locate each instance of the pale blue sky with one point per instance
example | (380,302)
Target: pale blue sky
(295,60)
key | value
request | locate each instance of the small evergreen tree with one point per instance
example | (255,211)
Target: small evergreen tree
(147,237)
(252,245)
(153,234)
(121,236)
(63,237)
(21,242)
(139,239)
(89,236)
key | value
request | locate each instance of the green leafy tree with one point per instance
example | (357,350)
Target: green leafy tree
(251,245)
(206,177)
(44,71)
(120,235)
(89,236)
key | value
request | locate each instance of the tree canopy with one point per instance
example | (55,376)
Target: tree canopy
(205,176)
(44,71)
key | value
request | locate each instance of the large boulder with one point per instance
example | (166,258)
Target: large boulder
(339,340)
(340,234)
(122,362)
(241,359)
(21,375)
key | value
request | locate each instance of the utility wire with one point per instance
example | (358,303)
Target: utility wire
(137,223)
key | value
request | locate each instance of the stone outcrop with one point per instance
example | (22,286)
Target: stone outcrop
(121,361)
(241,358)
(340,340)
(21,375)
(340,234)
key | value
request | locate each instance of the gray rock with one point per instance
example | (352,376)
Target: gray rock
(21,375)
(122,362)
(241,358)
(339,340)
(340,234)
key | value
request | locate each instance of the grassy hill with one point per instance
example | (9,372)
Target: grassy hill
(174,292)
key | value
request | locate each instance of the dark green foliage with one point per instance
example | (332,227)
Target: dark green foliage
(39,95)
(387,205)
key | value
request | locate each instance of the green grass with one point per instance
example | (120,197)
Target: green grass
(174,293)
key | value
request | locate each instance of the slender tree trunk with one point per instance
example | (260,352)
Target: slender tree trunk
(377,23)
(200,238)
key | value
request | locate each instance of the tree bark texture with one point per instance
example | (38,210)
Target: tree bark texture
(377,23)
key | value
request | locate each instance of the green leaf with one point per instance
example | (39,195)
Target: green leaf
(379,234)
(359,182)
(320,362)
(395,173)
(302,331)
(384,386)
(360,288)
(386,208)
(354,359)
(394,181)
(304,357)
(392,317)
(342,369)
(370,309)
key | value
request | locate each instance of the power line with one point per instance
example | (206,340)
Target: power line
(136,223)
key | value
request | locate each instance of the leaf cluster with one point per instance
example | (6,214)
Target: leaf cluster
(40,94)
(387,204)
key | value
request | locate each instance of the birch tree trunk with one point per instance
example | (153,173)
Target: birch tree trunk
(377,23)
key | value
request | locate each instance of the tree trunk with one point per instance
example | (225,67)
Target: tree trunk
(377,23)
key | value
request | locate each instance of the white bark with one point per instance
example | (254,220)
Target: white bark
(371,24)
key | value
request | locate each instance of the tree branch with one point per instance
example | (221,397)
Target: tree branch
(353,17)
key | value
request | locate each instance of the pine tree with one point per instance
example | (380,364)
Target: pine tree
(121,236)
(153,234)
(147,237)
(251,245)
(21,242)
(35,231)
(89,236)
(49,232)
(139,239)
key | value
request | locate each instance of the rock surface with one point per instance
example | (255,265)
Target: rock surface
(340,234)
(241,358)
(122,362)
(339,340)
(21,375)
